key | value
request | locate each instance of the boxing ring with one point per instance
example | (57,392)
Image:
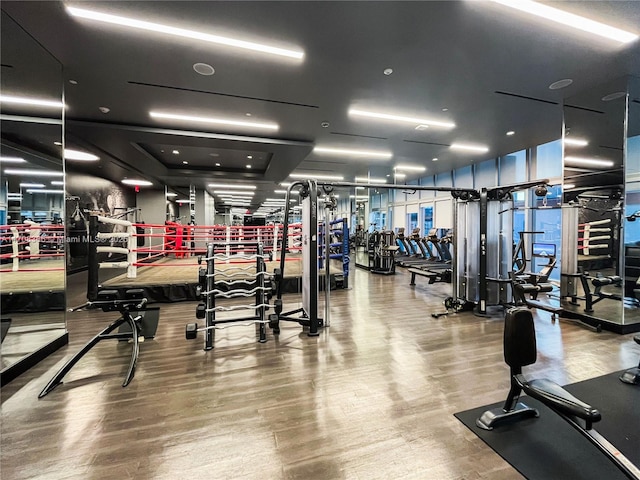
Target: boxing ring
(162,259)
(32,271)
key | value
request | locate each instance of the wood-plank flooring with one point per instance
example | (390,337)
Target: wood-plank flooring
(372,397)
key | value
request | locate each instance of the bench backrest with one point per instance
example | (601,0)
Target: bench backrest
(519,337)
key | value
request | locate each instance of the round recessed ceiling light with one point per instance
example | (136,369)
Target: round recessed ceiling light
(248,166)
(184,162)
(324,124)
(387,71)
(613,96)
(73,82)
(435,159)
(511,132)
(248,114)
(104,109)
(565,82)
(58,143)
(445,109)
(176,152)
(204,69)
(214,154)
(217,164)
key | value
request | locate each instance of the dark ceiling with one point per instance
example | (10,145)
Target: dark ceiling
(479,65)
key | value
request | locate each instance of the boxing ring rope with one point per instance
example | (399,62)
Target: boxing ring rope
(31,241)
(153,245)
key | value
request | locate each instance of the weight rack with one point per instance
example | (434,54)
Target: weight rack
(211,287)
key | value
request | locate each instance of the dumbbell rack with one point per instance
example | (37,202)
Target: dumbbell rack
(211,287)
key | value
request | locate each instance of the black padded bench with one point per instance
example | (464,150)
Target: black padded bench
(110,301)
(433,277)
(519,351)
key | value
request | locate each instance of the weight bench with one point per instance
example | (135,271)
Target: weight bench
(110,301)
(423,273)
(519,351)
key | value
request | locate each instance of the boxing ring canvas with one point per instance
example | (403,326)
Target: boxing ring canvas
(172,279)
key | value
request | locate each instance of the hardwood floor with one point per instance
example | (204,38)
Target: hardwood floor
(372,397)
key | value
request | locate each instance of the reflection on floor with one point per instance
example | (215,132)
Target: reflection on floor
(28,333)
(372,397)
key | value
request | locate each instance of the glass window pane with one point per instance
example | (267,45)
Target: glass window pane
(513,168)
(549,160)
(463,177)
(486,174)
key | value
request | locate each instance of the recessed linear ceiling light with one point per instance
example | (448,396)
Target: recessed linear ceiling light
(589,162)
(575,142)
(78,155)
(282,192)
(231,192)
(12,160)
(248,166)
(510,132)
(613,96)
(184,162)
(570,19)
(181,32)
(35,102)
(30,172)
(471,148)
(171,194)
(356,153)
(56,182)
(232,185)
(401,118)
(371,180)
(400,175)
(435,159)
(316,176)
(44,191)
(219,121)
(137,182)
(32,185)
(410,168)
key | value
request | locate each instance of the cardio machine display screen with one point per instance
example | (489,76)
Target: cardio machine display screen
(544,250)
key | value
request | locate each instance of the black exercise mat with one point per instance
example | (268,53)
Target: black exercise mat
(547,447)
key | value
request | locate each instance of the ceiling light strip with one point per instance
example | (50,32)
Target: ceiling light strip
(36,102)
(401,118)
(471,148)
(314,176)
(180,32)
(232,185)
(357,153)
(570,20)
(219,121)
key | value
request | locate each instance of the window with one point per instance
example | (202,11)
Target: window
(549,160)
(513,168)
(427,219)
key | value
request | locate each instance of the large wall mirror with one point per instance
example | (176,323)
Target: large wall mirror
(593,207)
(32,265)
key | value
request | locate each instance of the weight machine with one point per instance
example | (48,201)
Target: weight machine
(484,270)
